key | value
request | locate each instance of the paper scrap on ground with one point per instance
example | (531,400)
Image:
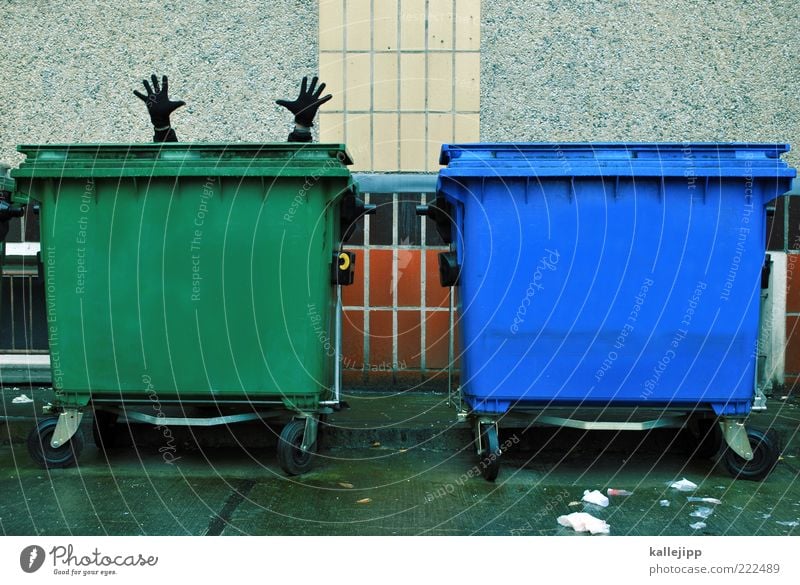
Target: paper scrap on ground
(595,497)
(791,524)
(705,500)
(702,512)
(684,485)
(664,503)
(21,399)
(697,525)
(583,522)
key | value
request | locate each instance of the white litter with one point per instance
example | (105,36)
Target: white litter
(583,522)
(702,512)
(684,485)
(697,525)
(765,516)
(792,524)
(664,503)
(595,497)
(704,500)
(21,399)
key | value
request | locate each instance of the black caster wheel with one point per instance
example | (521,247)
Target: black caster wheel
(705,438)
(50,457)
(490,455)
(105,429)
(293,460)
(765,456)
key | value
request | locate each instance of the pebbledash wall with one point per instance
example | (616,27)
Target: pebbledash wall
(409,75)
(69,68)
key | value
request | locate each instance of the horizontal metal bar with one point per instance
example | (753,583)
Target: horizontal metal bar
(194,422)
(396,182)
(663,422)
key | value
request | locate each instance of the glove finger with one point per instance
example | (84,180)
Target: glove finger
(175,105)
(140,95)
(313,84)
(164,84)
(303,85)
(284,103)
(321,101)
(147,87)
(319,91)
(156,86)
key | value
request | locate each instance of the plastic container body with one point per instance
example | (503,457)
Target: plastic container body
(189,273)
(610,274)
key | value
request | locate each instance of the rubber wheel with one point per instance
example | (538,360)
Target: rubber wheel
(293,460)
(105,429)
(765,456)
(50,457)
(490,456)
(707,438)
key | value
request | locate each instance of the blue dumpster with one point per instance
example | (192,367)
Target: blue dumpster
(609,275)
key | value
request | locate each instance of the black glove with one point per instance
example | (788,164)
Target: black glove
(158,103)
(307,103)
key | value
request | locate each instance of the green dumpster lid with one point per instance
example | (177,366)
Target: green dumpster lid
(290,159)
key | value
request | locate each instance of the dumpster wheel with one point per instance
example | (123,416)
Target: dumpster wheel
(765,456)
(293,460)
(47,456)
(490,452)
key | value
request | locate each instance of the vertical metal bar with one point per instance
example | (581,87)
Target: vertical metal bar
(337,369)
(450,351)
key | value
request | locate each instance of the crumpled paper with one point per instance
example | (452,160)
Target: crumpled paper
(684,485)
(584,522)
(595,497)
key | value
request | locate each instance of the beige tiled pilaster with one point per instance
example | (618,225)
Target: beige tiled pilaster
(405,75)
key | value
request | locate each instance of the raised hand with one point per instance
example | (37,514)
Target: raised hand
(307,103)
(157,101)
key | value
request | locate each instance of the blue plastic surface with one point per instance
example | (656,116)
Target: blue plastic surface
(610,274)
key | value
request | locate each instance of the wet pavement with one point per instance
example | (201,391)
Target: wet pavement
(369,481)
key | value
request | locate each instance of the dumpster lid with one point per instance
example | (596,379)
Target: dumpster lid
(289,159)
(702,159)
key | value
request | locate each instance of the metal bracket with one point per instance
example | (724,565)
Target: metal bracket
(735,435)
(759,400)
(68,423)
(310,433)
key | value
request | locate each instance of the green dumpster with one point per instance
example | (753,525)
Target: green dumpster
(192,276)
(7,212)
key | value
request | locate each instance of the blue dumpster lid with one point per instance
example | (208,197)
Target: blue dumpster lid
(593,159)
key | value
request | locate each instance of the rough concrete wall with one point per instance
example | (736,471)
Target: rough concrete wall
(69,68)
(573,70)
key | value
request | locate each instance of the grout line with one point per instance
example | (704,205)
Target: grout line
(426,80)
(408,51)
(453,80)
(345,117)
(405,112)
(372,85)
